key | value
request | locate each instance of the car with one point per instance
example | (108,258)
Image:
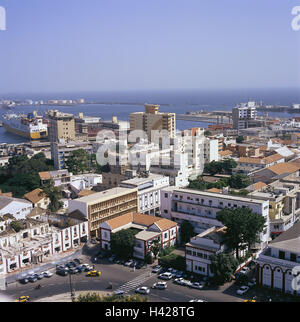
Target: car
(112,258)
(23,299)
(179,274)
(93,273)
(39,276)
(186,282)
(87,266)
(143,290)
(60,267)
(77,261)
(81,269)
(24,280)
(32,278)
(197,300)
(119,293)
(47,274)
(197,285)
(244,270)
(128,263)
(156,268)
(165,276)
(71,264)
(242,290)
(62,272)
(246,301)
(73,270)
(170,270)
(252,282)
(139,265)
(133,264)
(179,281)
(160,285)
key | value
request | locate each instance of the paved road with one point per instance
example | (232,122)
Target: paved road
(122,278)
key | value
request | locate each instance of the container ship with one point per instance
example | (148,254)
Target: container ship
(32,126)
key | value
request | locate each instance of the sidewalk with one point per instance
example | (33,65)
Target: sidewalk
(66,297)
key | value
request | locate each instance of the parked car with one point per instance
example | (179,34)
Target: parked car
(197,300)
(77,261)
(133,264)
(32,278)
(160,285)
(47,274)
(165,276)
(244,270)
(81,269)
(197,285)
(73,270)
(60,267)
(252,282)
(179,274)
(139,265)
(62,272)
(39,276)
(143,290)
(119,293)
(156,268)
(128,263)
(179,281)
(88,267)
(186,282)
(242,290)
(93,273)
(24,280)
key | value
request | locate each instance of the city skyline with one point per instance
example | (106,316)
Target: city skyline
(134,45)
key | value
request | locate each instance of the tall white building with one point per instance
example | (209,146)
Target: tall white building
(243,114)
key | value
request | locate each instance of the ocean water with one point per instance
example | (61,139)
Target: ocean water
(176,101)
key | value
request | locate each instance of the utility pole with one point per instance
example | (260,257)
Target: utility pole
(72,292)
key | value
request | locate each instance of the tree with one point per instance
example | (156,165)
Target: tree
(239,181)
(96,297)
(15,226)
(54,194)
(79,161)
(223,266)
(228,164)
(122,243)
(213,167)
(240,139)
(207,133)
(186,232)
(243,227)
(155,247)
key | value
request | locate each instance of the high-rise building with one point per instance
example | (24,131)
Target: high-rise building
(153,120)
(243,115)
(61,126)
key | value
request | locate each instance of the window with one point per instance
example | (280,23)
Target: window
(293,257)
(165,211)
(166,195)
(281,254)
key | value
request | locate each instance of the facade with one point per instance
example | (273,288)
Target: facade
(243,115)
(105,205)
(38,198)
(40,236)
(276,264)
(60,151)
(19,208)
(150,229)
(151,120)
(261,162)
(200,208)
(61,178)
(201,247)
(148,192)
(61,126)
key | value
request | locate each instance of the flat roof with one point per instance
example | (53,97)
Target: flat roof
(105,195)
(219,196)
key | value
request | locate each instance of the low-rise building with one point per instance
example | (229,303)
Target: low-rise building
(38,198)
(276,264)
(19,208)
(150,229)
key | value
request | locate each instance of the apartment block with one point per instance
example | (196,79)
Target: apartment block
(61,126)
(105,205)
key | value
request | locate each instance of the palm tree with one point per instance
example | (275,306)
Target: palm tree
(54,194)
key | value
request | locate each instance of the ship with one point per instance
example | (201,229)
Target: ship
(30,126)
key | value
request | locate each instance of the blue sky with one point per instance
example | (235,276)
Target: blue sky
(76,45)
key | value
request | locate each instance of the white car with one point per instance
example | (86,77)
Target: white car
(47,274)
(165,276)
(244,270)
(198,285)
(179,280)
(160,285)
(128,263)
(143,290)
(88,266)
(197,300)
(242,290)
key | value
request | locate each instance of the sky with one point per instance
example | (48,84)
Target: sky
(96,45)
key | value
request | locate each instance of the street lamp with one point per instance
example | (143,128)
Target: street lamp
(72,291)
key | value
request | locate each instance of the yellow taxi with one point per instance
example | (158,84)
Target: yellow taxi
(23,299)
(246,301)
(93,273)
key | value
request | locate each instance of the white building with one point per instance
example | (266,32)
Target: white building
(19,208)
(279,264)
(200,208)
(148,192)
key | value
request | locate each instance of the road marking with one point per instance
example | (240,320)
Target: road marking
(133,284)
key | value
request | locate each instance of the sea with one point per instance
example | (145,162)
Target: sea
(175,101)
